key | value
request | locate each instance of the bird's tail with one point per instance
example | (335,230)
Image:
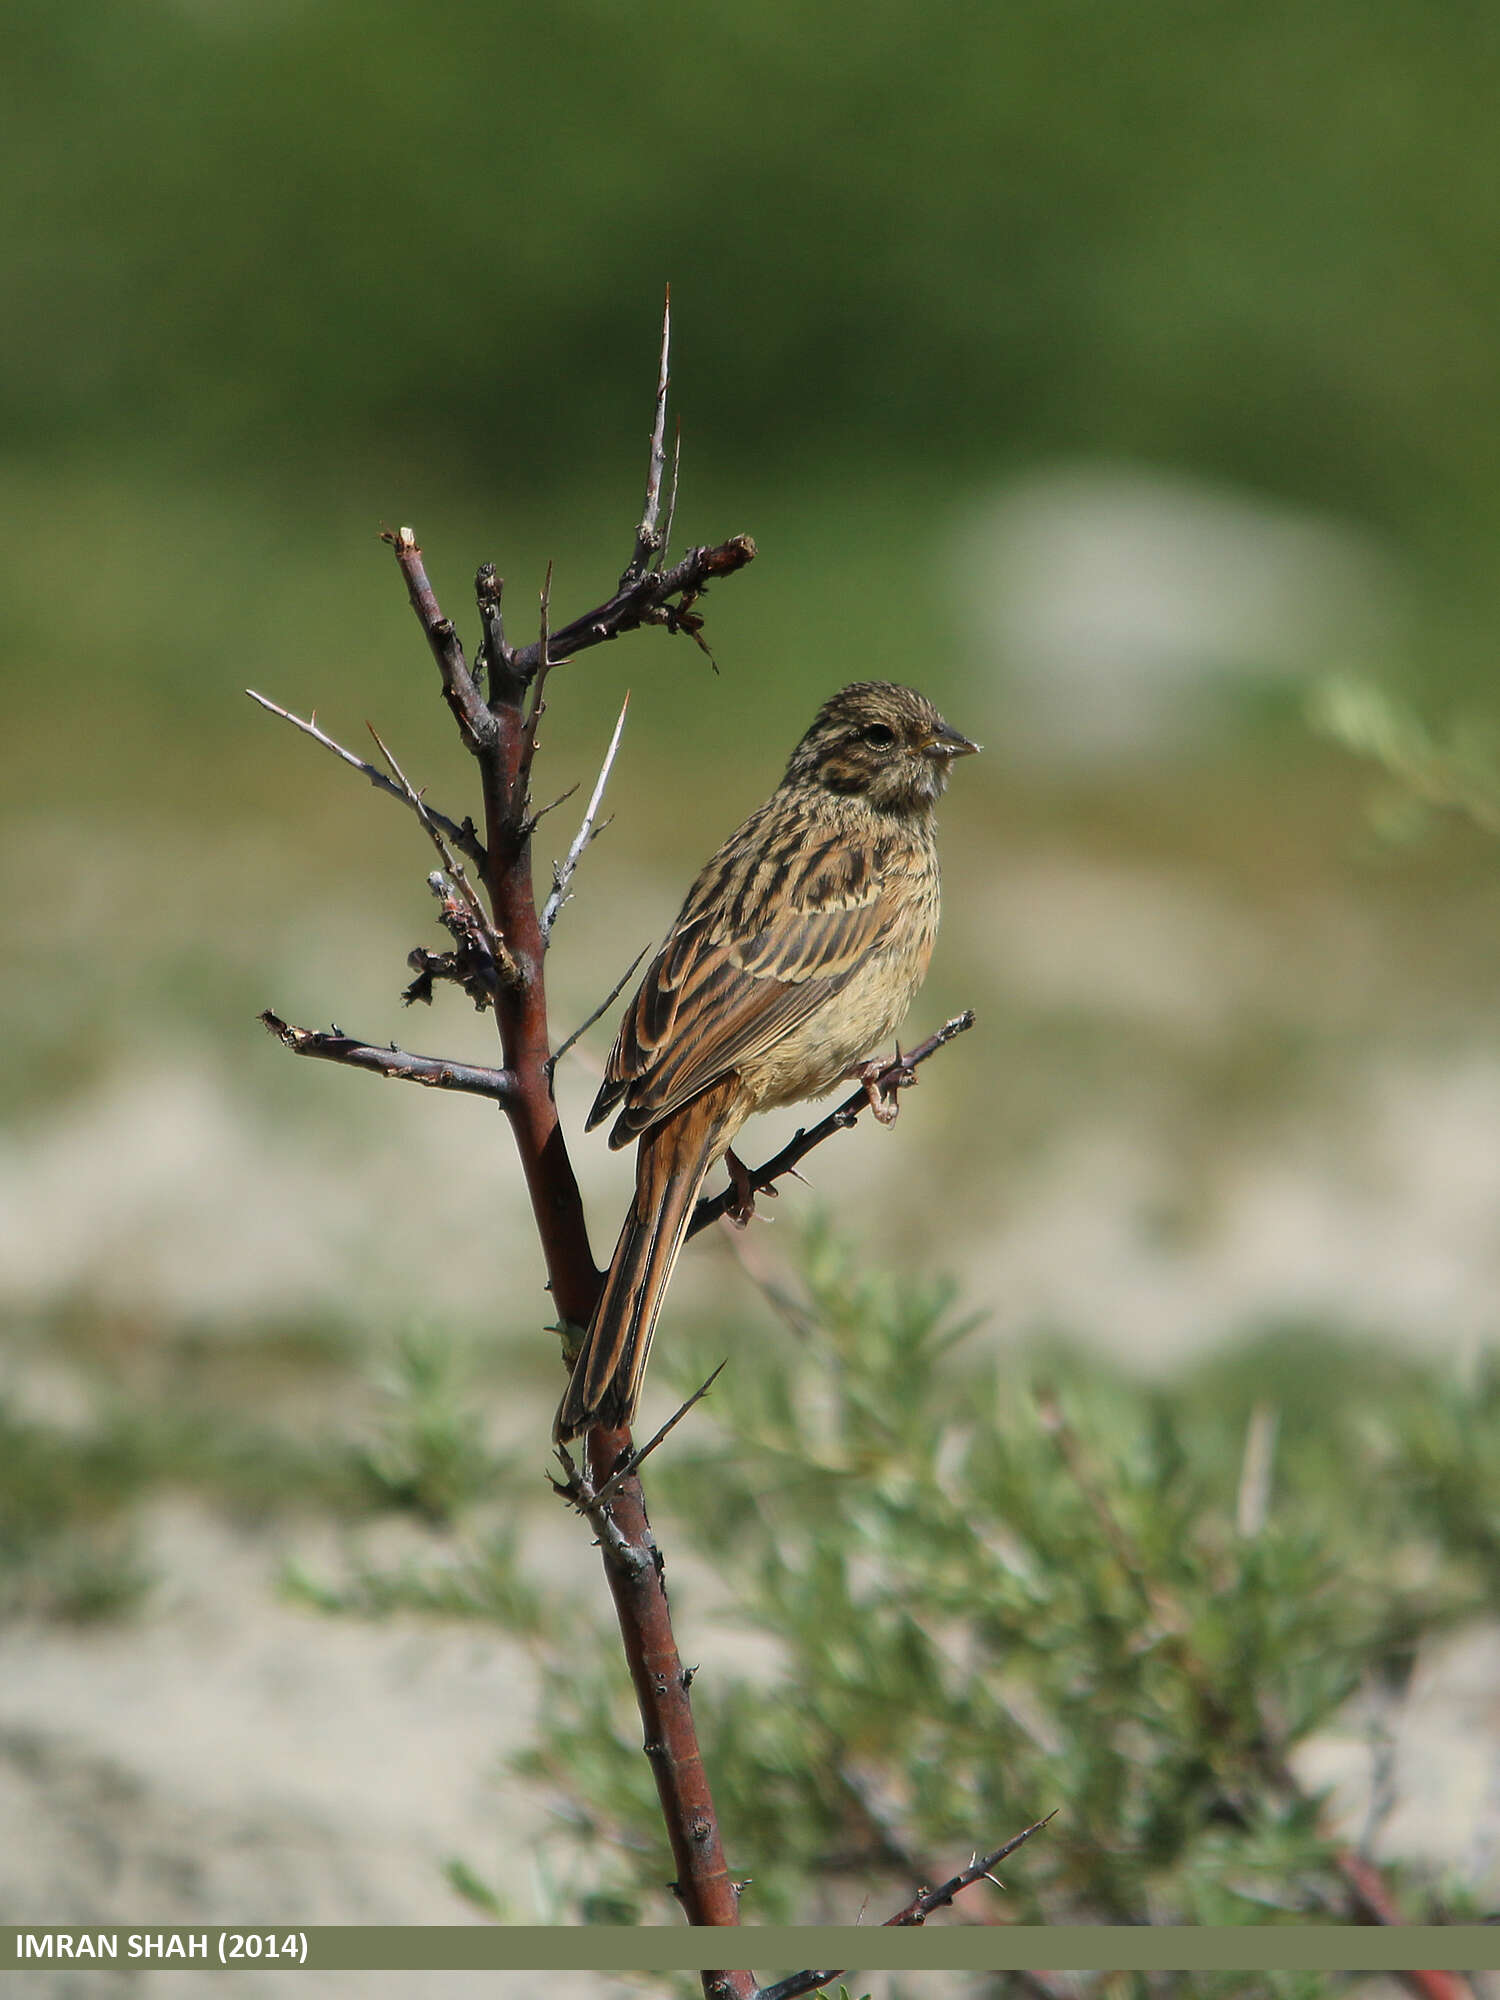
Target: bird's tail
(670,1167)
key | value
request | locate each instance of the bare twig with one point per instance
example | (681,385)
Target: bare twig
(544,663)
(450,861)
(603,1008)
(648,542)
(479,962)
(495,653)
(471,964)
(562,871)
(475,723)
(666,533)
(521,1011)
(638,1458)
(798,1983)
(437,1072)
(922,1905)
(646,601)
(917,1911)
(541,812)
(705,1886)
(464,838)
(896,1076)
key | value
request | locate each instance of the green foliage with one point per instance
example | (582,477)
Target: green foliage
(430,1461)
(996,1591)
(1165,229)
(993,1603)
(431,1455)
(66,1547)
(169,1418)
(1200,237)
(478,1577)
(486,1900)
(1449,1470)
(957,1593)
(1455,767)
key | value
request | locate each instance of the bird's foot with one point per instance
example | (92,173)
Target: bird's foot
(882,1081)
(744,1188)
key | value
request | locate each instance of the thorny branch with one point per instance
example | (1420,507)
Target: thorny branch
(499,959)
(648,542)
(476,725)
(538,686)
(639,600)
(473,909)
(980,1869)
(647,600)
(644,595)
(463,837)
(897,1075)
(603,1008)
(437,1072)
(563,871)
(585,1498)
(579,1490)
(490,707)
(917,1911)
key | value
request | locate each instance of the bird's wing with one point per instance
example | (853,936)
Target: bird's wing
(764,939)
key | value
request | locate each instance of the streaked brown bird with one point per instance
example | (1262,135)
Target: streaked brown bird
(795,955)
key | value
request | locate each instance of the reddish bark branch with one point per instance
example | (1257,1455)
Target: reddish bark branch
(645,600)
(917,1911)
(459,689)
(633,1565)
(1372,1901)
(497,732)
(637,1582)
(649,540)
(922,1905)
(437,1072)
(899,1074)
(495,738)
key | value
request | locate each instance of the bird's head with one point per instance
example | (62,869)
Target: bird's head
(880,741)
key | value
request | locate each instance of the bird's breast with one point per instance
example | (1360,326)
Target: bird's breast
(861,1017)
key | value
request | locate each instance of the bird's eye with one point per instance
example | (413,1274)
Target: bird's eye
(878,736)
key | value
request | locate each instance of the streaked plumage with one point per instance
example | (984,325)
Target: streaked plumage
(795,956)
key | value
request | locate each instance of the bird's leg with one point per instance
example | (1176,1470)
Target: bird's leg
(746,1188)
(882,1080)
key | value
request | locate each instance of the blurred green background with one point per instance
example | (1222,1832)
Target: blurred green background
(1117,375)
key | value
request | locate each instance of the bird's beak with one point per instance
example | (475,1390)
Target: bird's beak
(947,742)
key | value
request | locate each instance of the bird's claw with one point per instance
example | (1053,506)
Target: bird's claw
(882,1081)
(744,1187)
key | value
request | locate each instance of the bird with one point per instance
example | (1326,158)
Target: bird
(795,955)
